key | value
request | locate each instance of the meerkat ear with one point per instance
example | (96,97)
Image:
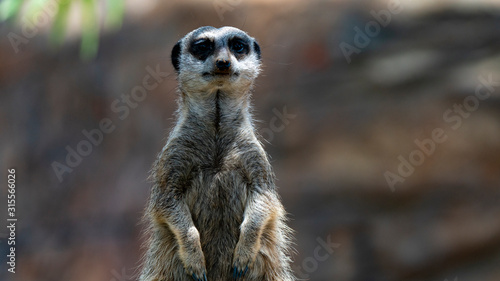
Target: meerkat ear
(256,49)
(176,52)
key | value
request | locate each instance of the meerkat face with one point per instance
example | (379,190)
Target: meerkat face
(210,59)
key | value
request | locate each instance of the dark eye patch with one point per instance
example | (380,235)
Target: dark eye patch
(201,48)
(238,46)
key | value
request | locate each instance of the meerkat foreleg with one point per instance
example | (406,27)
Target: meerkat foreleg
(175,213)
(258,213)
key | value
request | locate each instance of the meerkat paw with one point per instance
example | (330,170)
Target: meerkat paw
(192,256)
(243,260)
(194,264)
(197,271)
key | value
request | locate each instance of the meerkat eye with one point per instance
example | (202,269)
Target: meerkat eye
(238,46)
(202,45)
(201,48)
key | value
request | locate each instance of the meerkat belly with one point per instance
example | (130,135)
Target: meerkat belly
(217,204)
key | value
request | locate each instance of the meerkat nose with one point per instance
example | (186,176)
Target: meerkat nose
(222,64)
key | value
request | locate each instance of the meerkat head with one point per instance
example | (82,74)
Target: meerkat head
(210,59)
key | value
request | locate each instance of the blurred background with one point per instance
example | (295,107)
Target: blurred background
(382,119)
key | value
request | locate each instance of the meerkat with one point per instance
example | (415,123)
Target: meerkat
(214,210)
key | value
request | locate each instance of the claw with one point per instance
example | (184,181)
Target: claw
(195,277)
(245,272)
(237,273)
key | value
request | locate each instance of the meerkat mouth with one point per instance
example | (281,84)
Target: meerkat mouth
(217,74)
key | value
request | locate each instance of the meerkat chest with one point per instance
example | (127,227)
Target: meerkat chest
(219,180)
(218,152)
(217,199)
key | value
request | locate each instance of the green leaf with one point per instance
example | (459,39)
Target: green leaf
(90,30)
(34,7)
(57,11)
(9,9)
(115,11)
(60,21)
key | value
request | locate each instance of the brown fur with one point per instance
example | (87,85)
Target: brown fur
(214,209)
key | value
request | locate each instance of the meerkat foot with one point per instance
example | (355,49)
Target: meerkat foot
(194,264)
(243,260)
